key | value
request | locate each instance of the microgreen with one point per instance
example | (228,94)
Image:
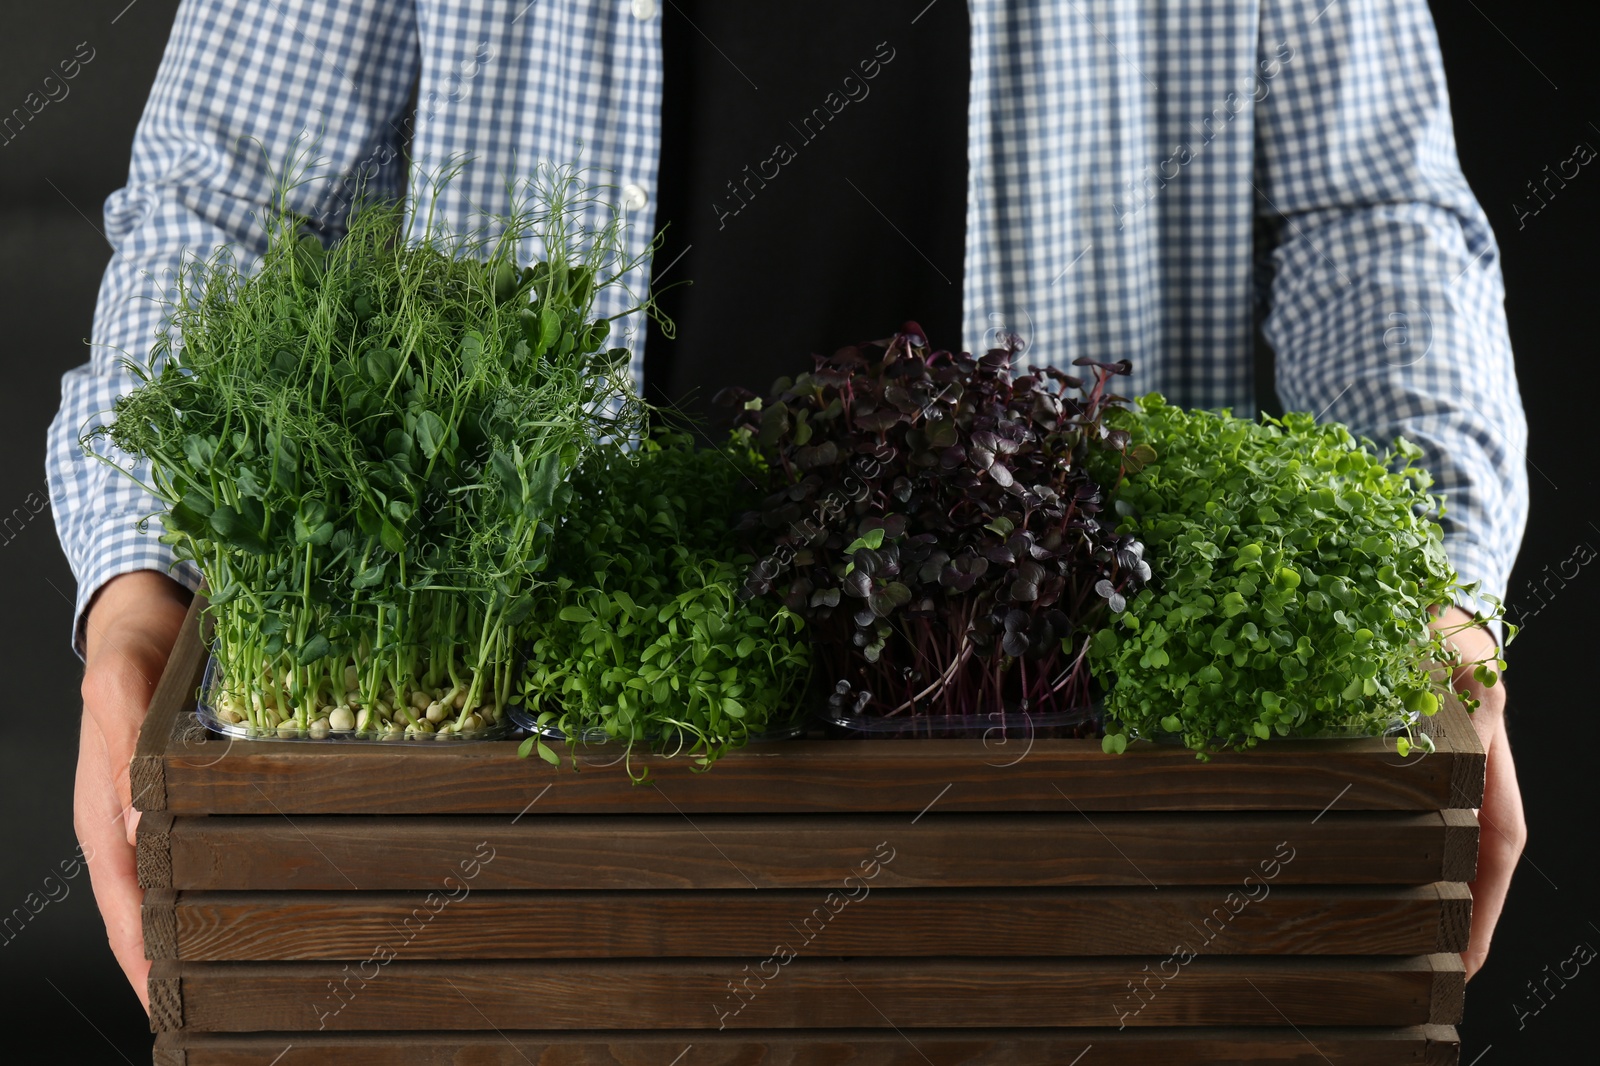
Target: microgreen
(364,449)
(931,517)
(1295,572)
(644,635)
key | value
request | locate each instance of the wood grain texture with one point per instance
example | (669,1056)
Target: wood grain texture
(153,851)
(159,916)
(1415,1046)
(1468,761)
(1215,919)
(1449,996)
(806,851)
(1461,845)
(817,993)
(230,777)
(172,700)
(1455,923)
(165,989)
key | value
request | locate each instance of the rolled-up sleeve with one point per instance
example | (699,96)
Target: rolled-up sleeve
(1386,305)
(245,94)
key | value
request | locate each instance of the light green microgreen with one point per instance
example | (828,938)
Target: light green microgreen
(1296,575)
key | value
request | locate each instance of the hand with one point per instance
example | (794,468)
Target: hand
(130,628)
(1503,831)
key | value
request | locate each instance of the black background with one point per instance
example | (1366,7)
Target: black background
(1522,77)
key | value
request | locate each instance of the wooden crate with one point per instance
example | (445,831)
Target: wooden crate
(805,902)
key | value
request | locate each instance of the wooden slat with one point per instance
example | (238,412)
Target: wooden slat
(1279,920)
(1468,762)
(170,705)
(164,986)
(1462,862)
(231,777)
(1416,1046)
(1455,925)
(817,992)
(808,851)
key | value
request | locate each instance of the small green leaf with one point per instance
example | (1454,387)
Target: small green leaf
(1001,526)
(390,537)
(317,647)
(430,433)
(549,329)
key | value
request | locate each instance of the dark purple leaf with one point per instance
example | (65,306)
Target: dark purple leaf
(877,421)
(815,455)
(902,399)
(999,553)
(857,583)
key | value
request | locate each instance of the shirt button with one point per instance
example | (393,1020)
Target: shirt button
(633,197)
(643,9)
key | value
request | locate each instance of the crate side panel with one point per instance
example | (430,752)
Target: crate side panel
(804,851)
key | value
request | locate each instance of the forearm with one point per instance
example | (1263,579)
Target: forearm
(1386,303)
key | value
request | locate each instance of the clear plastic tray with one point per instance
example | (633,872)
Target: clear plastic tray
(529,723)
(206,713)
(1395,728)
(995,726)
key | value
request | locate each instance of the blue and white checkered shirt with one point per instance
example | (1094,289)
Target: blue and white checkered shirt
(1146,180)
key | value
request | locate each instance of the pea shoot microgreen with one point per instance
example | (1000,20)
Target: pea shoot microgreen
(364,448)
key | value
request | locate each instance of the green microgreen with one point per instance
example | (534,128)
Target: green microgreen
(645,636)
(1296,570)
(364,449)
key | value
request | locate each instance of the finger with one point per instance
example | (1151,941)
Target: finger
(113,875)
(1503,834)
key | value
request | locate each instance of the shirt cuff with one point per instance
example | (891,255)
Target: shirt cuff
(135,551)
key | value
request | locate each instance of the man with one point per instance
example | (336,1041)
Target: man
(1155,182)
